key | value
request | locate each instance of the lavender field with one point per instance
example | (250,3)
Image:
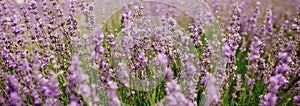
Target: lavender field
(149,52)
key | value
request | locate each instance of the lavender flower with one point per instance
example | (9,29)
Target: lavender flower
(114,99)
(123,74)
(212,94)
(111,41)
(174,97)
(297,100)
(268,22)
(270,99)
(13,89)
(283,66)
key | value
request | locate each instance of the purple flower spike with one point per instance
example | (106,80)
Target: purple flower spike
(114,99)
(297,100)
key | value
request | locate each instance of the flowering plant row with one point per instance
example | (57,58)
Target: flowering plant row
(55,52)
